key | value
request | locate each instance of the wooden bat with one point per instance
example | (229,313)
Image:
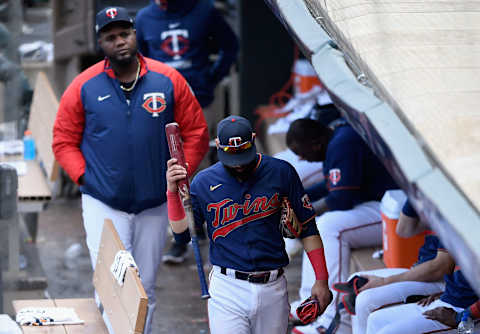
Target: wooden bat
(175,146)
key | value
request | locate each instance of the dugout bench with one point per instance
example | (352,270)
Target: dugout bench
(23,275)
(125,305)
(34,190)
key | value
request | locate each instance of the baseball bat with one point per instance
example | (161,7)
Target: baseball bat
(175,146)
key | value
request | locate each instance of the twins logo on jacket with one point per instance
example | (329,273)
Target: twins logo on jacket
(154,103)
(175,42)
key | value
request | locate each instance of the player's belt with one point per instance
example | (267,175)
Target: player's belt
(255,277)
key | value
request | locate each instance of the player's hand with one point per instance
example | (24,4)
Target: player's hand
(373,282)
(175,173)
(428,300)
(445,315)
(322,294)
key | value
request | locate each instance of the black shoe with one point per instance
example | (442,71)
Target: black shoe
(176,254)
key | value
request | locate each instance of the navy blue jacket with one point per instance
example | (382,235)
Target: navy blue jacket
(121,147)
(182,37)
(458,292)
(353,173)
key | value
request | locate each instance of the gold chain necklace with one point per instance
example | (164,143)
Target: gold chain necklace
(134,83)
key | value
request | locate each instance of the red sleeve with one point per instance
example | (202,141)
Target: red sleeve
(68,132)
(193,127)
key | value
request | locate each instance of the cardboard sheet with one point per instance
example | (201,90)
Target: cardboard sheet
(42,116)
(125,305)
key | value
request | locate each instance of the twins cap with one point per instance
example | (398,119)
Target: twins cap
(236,142)
(109,15)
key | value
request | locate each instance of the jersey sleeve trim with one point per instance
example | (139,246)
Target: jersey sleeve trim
(308,220)
(344,188)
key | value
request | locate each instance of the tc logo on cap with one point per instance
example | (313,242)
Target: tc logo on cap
(234,141)
(111,13)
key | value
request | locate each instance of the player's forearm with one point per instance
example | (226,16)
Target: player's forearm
(314,247)
(409,226)
(429,271)
(320,206)
(312,242)
(176,213)
(417,274)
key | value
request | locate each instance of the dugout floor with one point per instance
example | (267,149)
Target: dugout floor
(179,308)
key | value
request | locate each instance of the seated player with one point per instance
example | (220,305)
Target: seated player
(349,209)
(395,285)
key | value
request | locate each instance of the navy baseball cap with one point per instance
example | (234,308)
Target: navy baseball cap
(109,15)
(236,142)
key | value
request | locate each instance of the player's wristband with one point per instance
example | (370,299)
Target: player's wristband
(475,310)
(174,206)
(317,259)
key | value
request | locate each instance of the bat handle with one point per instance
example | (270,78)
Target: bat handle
(201,272)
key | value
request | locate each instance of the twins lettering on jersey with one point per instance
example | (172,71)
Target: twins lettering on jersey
(229,216)
(154,103)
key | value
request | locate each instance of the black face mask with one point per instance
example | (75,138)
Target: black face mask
(245,173)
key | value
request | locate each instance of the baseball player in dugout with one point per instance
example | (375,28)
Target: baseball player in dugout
(379,288)
(183,34)
(440,313)
(249,201)
(109,136)
(347,204)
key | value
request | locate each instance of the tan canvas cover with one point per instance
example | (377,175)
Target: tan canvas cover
(424,59)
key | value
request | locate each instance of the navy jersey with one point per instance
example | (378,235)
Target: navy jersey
(429,249)
(432,243)
(353,173)
(243,217)
(182,38)
(458,291)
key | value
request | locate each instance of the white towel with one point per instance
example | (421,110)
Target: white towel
(45,316)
